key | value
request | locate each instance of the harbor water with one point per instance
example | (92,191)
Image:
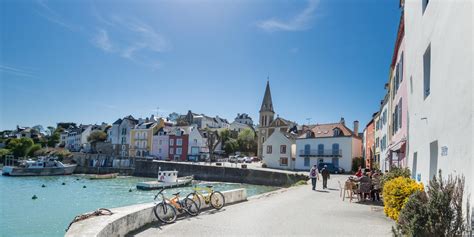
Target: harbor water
(64,197)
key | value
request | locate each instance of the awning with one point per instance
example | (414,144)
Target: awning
(398,145)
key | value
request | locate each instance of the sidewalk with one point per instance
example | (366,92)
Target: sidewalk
(296,211)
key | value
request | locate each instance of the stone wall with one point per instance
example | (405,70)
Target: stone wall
(127,219)
(219,174)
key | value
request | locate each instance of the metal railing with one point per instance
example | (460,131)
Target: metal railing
(321,152)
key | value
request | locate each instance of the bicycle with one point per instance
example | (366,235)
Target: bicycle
(215,198)
(166,209)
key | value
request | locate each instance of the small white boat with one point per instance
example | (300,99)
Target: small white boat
(43,166)
(103,176)
(166,179)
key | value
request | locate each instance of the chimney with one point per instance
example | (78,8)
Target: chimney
(356,128)
(343,122)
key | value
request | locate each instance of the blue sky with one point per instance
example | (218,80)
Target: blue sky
(93,61)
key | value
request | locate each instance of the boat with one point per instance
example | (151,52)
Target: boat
(166,179)
(103,176)
(43,166)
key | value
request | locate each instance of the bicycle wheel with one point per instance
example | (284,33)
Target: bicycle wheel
(165,213)
(190,207)
(217,200)
(195,198)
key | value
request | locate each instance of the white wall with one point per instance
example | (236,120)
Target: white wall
(345,144)
(385,133)
(446,114)
(273,160)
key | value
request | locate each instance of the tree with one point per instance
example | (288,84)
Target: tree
(231,146)
(225,135)
(20,147)
(55,137)
(247,140)
(97,136)
(213,140)
(4,152)
(33,149)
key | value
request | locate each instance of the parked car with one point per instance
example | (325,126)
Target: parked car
(248,159)
(241,160)
(255,159)
(331,167)
(232,159)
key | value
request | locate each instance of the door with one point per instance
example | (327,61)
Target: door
(433,159)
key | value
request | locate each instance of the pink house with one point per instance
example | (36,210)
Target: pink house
(398,103)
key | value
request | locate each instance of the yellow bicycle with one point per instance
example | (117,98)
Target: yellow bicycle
(215,198)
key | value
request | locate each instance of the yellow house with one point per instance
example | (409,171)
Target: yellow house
(141,137)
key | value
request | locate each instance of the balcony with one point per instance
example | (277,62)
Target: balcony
(321,153)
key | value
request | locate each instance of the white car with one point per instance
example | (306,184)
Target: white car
(241,160)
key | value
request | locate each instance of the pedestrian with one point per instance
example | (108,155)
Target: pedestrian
(358,174)
(314,176)
(325,174)
(376,186)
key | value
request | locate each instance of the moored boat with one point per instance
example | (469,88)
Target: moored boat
(166,179)
(103,176)
(43,166)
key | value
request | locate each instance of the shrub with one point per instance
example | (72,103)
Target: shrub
(301,182)
(395,172)
(438,212)
(396,193)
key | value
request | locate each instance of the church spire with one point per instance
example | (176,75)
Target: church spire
(267,104)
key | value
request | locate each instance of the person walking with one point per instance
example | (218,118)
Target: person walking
(314,176)
(325,174)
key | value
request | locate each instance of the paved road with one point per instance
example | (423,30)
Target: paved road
(296,211)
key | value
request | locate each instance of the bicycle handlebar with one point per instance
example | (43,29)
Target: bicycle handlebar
(159,193)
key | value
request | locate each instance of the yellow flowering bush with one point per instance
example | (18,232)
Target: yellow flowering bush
(396,193)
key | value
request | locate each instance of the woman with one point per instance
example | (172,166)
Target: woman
(358,174)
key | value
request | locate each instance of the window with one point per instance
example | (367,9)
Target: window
(179,142)
(159,150)
(124,140)
(427,72)
(171,151)
(424,4)
(335,149)
(336,132)
(400,114)
(401,67)
(306,161)
(307,149)
(171,142)
(269,149)
(160,142)
(124,131)
(320,149)
(263,139)
(377,142)
(283,161)
(283,149)
(415,162)
(411,85)
(179,151)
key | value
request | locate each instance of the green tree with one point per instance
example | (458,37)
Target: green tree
(95,137)
(4,152)
(55,137)
(225,135)
(213,139)
(231,146)
(247,140)
(33,149)
(20,147)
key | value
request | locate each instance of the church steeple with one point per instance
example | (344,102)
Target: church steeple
(267,104)
(266,110)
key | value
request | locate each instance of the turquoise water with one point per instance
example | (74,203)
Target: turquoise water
(58,204)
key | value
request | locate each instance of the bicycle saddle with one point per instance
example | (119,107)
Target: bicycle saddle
(176,194)
(209,186)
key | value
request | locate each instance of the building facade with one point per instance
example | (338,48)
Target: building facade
(280,151)
(369,136)
(439,63)
(328,143)
(119,135)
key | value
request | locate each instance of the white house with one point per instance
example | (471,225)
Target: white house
(279,150)
(160,146)
(329,143)
(243,119)
(197,145)
(439,69)
(238,127)
(119,135)
(384,134)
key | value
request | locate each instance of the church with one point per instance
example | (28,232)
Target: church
(267,122)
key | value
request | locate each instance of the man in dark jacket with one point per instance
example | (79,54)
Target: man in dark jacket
(325,174)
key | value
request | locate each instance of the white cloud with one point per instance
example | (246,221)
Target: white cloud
(132,39)
(15,71)
(102,41)
(297,23)
(53,16)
